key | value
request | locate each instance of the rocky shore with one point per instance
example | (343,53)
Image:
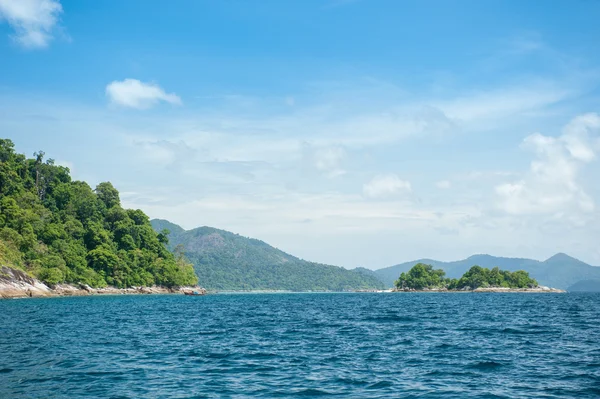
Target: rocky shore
(17,284)
(538,289)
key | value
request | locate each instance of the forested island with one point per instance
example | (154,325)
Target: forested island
(63,231)
(423,277)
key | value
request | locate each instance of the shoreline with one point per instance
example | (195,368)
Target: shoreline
(16,283)
(499,290)
(65,290)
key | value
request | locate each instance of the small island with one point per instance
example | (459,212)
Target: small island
(422,277)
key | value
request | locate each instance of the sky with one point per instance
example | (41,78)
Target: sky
(348,132)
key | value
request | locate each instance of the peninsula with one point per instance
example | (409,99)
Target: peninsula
(56,232)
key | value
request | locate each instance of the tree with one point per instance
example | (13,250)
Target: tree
(179,251)
(108,194)
(163,236)
(422,276)
(7,150)
(39,158)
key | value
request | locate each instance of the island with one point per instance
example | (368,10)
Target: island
(424,278)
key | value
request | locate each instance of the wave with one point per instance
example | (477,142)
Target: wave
(487,365)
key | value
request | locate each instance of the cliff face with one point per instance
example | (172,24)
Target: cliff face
(15,283)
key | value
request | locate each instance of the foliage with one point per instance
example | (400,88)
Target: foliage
(62,231)
(424,276)
(478,277)
(227,261)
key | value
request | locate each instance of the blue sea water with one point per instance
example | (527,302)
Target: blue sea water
(302,345)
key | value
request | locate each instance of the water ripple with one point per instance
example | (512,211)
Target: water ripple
(302,345)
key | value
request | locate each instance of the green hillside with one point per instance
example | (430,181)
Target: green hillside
(228,261)
(62,231)
(559,271)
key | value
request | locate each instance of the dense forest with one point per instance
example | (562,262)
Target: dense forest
(62,231)
(228,261)
(422,276)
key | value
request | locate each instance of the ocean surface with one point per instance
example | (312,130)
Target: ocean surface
(302,345)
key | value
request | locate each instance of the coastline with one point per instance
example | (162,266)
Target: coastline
(536,290)
(15,283)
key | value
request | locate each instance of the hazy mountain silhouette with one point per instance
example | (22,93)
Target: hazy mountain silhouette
(585,286)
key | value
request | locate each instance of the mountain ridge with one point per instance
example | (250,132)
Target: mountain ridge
(559,270)
(228,261)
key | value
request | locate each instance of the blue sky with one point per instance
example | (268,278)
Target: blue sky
(357,133)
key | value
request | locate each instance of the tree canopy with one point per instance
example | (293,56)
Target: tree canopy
(422,276)
(62,231)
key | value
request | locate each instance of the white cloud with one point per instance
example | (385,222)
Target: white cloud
(578,138)
(135,94)
(443,184)
(34,21)
(166,153)
(551,186)
(328,160)
(386,186)
(285,211)
(491,105)
(250,172)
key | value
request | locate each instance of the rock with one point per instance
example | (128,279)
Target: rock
(86,287)
(539,289)
(16,283)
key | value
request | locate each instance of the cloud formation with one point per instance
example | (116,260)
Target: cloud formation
(133,93)
(166,153)
(328,161)
(551,186)
(34,21)
(388,185)
(443,184)
(314,177)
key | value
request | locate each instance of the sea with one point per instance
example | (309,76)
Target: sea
(347,345)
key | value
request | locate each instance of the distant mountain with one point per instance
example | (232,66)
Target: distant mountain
(366,271)
(227,261)
(585,286)
(559,271)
